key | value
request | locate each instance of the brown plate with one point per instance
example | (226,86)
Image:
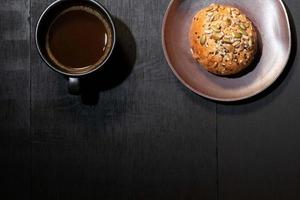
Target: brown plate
(272,23)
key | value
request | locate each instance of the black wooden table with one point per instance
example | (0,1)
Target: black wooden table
(136,132)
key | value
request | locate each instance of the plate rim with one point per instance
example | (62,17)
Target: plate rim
(234,99)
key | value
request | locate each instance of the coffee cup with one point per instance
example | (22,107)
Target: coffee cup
(75,38)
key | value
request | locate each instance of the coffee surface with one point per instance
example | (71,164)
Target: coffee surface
(78,38)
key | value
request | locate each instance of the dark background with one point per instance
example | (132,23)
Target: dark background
(137,133)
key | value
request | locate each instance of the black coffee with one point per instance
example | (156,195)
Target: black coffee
(79,38)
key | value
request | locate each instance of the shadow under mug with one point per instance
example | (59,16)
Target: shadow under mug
(45,20)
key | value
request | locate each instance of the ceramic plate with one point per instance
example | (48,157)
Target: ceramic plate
(271,21)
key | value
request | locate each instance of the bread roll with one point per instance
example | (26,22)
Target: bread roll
(223,40)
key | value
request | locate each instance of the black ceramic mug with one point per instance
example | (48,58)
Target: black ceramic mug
(51,13)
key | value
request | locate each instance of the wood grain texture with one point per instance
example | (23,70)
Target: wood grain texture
(143,136)
(259,139)
(14,76)
(15,99)
(136,132)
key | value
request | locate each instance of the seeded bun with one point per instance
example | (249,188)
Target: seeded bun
(223,39)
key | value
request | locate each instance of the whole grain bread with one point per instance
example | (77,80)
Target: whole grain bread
(223,39)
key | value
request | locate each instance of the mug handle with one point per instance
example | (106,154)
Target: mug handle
(74,86)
